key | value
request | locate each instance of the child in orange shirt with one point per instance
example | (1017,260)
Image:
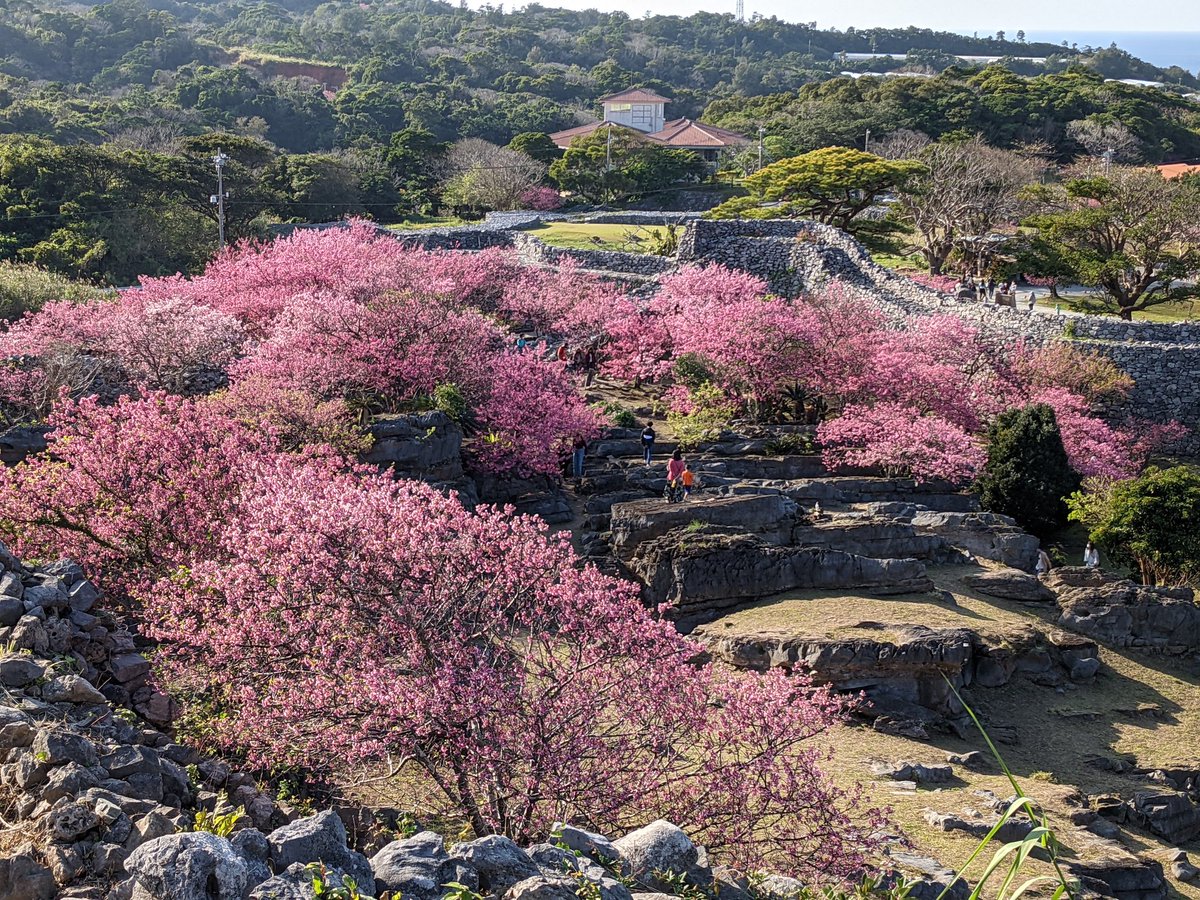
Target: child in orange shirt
(688,478)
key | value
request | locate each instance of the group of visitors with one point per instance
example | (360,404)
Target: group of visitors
(581,359)
(680,477)
(968,287)
(1091,559)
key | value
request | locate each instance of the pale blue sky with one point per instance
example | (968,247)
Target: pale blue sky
(962,16)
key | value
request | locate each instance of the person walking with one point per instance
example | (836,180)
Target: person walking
(648,442)
(688,478)
(562,353)
(521,344)
(578,449)
(1091,556)
(1032,300)
(1043,562)
(675,466)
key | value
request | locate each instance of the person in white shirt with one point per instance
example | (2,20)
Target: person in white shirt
(1091,556)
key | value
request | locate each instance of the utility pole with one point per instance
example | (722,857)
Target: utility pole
(608,165)
(1108,158)
(867,142)
(218,199)
(761,132)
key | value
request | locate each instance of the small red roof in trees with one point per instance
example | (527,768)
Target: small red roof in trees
(689,134)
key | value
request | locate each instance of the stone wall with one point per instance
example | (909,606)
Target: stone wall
(798,256)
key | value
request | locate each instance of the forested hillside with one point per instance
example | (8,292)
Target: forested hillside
(110,114)
(310,76)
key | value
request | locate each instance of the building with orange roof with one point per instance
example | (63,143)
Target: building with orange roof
(639,109)
(1178,170)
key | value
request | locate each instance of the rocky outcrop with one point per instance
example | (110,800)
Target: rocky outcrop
(770,516)
(1010,584)
(1120,613)
(987,535)
(422,445)
(704,570)
(906,673)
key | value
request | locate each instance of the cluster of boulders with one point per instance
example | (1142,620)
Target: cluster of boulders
(86,777)
(1119,613)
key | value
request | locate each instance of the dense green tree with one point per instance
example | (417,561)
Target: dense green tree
(1130,233)
(1150,524)
(537,145)
(832,185)
(1027,475)
(415,158)
(614,164)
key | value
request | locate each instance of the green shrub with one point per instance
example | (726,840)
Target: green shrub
(618,415)
(220,824)
(693,370)
(711,411)
(1150,523)
(449,399)
(1028,475)
(793,444)
(27,288)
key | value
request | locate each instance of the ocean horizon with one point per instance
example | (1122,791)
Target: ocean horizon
(1162,48)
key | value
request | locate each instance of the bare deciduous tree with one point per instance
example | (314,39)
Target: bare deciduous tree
(484,176)
(968,188)
(1100,137)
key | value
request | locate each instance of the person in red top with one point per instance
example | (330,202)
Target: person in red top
(562,353)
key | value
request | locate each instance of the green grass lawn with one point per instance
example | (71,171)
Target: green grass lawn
(592,236)
(429,222)
(1166,312)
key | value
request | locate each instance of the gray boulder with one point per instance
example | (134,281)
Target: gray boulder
(419,867)
(254,849)
(19,669)
(499,862)
(190,866)
(16,729)
(661,849)
(296,883)
(319,838)
(71,689)
(57,747)
(24,878)
(541,887)
(592,845)
(1010,584)
(554,861)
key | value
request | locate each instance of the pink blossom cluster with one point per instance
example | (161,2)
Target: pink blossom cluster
(333,616)
(543,199)
(943,284)
(343,316)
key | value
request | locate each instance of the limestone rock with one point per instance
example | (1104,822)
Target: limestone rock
(769,515)
(189,866)
(541,887)
(19,669)
(1119,613)
(318,838)
(592,845)
(1170,814)
(24,878)
(419,867)
(661,847)
(1010,584)
(71,689)
(498,860)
